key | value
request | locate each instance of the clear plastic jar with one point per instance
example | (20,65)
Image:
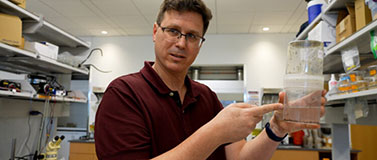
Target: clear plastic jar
(372,82)
(372,70)
(362,85)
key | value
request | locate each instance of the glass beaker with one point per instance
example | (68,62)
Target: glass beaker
(303,82)
(305,57)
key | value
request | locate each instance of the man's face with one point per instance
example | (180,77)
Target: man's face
(173,54)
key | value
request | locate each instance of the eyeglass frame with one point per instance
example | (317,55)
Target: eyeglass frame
(180,34)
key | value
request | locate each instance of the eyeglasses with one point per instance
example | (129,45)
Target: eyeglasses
(174,35)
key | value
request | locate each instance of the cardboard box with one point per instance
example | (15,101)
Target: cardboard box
(323,32)
(347,26)
(22,45)
(20,3)
(44,49)
(362,14)
(10,29)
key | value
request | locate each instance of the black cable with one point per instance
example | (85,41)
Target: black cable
(95,67)
(95,49)
(99,69)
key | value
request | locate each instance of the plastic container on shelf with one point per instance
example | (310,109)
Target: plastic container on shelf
(302,100)
(356,75)
(305,57)
(372,70)
(332,82)
(344,78)
(344,88)
(354,87)
(315,7)
(362,85)
(372,82)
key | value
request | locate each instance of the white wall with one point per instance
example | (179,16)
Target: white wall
(263,56)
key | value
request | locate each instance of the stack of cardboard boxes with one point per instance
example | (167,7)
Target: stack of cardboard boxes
(356,17)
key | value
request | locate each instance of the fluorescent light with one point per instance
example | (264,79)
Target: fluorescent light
(104,32)
(265,28)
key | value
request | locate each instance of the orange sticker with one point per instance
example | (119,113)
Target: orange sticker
(353,77)
(372,72)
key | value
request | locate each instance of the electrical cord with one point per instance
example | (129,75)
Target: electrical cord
(95,67)
(95,49)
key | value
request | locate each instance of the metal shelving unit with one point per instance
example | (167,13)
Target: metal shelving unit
(36,28)
(19,61)
(333,64)
(16,60)
(37,97)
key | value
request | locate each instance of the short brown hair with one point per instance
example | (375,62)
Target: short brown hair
(186,5)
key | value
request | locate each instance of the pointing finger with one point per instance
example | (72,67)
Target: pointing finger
(260,110)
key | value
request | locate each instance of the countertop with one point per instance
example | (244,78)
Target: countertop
(280,147)
(82,141)
(292,147)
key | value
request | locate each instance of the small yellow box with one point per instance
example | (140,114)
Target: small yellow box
(10,29)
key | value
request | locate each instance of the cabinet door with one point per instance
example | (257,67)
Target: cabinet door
(295,155)
(81,157)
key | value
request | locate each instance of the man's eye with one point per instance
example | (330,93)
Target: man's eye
(173,31)
(192,36)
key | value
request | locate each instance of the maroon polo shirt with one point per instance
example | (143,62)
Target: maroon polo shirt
(140,117)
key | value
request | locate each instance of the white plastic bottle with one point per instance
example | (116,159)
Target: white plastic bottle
(333,82)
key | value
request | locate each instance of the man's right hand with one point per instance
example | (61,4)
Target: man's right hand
(237,120)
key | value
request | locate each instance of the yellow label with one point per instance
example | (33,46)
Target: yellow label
(372,72)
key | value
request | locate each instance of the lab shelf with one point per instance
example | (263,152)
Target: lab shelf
(16,60)
(38,29)
(24,95)
(361,39)
(38,97)
(365,93)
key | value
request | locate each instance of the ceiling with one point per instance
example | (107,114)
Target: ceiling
(136,17)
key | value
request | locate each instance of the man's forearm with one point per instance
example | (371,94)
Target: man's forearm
(260,148)
(198,146)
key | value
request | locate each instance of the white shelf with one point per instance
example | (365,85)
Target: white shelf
(16,94)
(30,96)
(16,60)
(46,32)
(352,95)
(60,99)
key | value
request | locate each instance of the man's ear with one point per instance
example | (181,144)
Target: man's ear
(155,27)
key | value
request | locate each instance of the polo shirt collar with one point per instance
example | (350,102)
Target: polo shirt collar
(154,80)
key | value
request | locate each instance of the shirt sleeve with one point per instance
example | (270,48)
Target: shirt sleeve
(120,128)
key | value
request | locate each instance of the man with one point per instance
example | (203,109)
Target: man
(159,113)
